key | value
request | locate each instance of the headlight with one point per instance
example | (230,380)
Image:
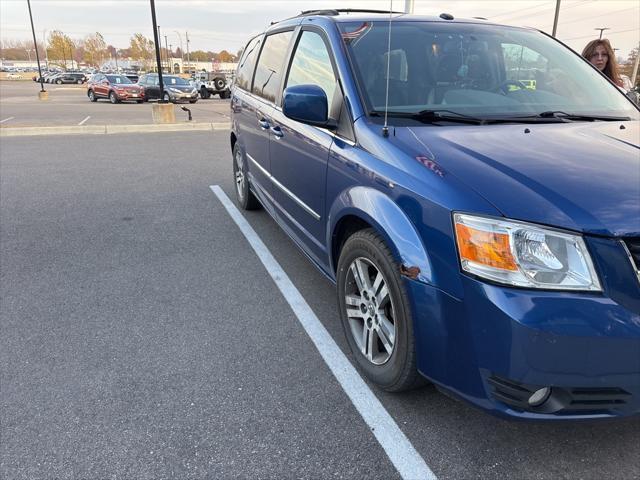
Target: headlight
(523,254)
(174,90)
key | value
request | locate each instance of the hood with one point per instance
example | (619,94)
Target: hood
(579,176)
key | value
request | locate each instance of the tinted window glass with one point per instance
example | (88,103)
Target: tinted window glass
(270,65)
(118,79)
(311,65)
(174,80)
(246,64)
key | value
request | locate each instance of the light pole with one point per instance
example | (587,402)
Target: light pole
(35,45)
(170,58)
(602,30)
(157,44)
(29,50)
(166,53)
(555,19)
(188,58)
(181,48)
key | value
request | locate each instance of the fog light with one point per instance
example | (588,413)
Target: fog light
(539,397)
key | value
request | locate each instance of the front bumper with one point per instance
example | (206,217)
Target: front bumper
(183,97)
(124,96)
(585,346)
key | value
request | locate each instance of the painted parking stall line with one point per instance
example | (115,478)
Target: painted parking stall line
(86,118)
(405,458)
(7,119)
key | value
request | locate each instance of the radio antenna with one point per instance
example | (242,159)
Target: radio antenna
(385,129)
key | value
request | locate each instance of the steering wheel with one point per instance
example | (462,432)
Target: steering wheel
(502,88)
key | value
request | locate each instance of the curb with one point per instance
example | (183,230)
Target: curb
(111,129)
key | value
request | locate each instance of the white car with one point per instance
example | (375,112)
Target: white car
(14,76)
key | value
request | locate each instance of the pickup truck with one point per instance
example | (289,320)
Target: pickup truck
(211,83)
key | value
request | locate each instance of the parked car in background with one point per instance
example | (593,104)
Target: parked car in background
(211,83)
(176,89)
(134,77)
(117,88)
(13,76)
(70,77)
(482,237)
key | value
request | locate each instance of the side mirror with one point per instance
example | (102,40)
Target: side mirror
(307,104)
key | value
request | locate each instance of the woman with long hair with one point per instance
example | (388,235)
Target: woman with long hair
(600,54)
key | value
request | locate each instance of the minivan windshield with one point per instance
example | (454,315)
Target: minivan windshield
(477,71)
(174,80)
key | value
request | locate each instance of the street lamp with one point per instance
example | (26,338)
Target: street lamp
(157,45)
(602,30)
(35,45)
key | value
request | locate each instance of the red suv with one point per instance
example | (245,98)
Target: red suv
(116,88)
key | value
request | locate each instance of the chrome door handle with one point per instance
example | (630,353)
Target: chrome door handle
(277,132)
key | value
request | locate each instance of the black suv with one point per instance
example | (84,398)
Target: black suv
(71,77)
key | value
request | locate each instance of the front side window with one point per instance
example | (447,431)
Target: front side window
(247,63)
(311,65)
(479,70)
(270,65)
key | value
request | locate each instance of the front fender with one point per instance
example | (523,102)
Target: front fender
(388,219)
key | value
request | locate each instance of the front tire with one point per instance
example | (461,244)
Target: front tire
(244,195)
(92,96)
(166,98)
(204,93)
(375,312)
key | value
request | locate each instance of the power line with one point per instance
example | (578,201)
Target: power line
(608,35)
(599,16)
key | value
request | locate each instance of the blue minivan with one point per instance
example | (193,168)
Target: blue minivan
(473,190)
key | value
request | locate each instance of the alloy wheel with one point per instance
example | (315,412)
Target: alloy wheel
(370,311)
(239,175)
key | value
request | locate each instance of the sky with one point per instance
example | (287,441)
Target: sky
(227,24)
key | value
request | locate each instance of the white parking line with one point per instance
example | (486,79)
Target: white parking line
(7,119)
(82,122)
(406,460)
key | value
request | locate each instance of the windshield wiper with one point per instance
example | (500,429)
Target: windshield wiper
(428,116)
(571,117)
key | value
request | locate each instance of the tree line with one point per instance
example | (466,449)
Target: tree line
(93,50)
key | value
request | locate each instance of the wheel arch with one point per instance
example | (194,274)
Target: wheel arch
(364,207)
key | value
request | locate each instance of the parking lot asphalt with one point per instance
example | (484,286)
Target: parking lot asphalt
(68,105)
(142,338)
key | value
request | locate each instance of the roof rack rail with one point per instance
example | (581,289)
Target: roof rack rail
(338,11)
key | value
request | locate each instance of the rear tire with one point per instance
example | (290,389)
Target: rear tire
(139,101)
(375,312)
(226,94)
(59,82)
(244,195)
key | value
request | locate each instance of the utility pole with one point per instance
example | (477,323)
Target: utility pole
(408,6)
(28,50)
(170,58)
(46,50)
(35,45)
(602,30)
(555,19)
(188,58)
(115,51)
(156,34)
(166,53)
(181,49)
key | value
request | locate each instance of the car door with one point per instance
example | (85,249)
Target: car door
(299,153)
(99,88)
(256,108)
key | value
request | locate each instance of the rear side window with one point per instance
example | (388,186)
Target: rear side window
(246,64)
(311,65)
(270,65)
